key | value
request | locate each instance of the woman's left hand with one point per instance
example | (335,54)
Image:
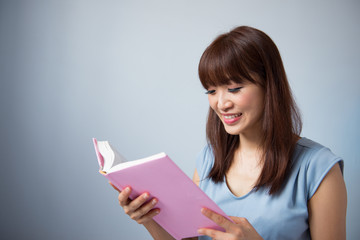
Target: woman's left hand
(239,229)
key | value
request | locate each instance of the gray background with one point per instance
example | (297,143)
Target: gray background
(126,71)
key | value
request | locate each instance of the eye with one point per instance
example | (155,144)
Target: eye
(210,92)
(232,90)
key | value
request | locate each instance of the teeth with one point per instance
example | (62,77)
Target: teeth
(232,116)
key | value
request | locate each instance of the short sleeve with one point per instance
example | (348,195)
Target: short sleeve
(318,165)
(204,162)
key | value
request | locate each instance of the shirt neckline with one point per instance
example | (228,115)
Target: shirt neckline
(233,195)
(299,142)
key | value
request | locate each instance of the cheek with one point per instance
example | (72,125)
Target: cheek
(246,102)
(212,102)
(257,106)
(251,103)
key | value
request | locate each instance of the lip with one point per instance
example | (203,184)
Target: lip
(229,121)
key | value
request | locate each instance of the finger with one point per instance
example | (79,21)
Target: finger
(143,210)
(124,196)
(214,234)
(137,202)
(147,217)
(217,218)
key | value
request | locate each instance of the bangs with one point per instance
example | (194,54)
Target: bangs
(222,63)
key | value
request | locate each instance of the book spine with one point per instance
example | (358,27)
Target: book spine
(99,156)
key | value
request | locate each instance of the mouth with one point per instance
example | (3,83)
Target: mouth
(231,118)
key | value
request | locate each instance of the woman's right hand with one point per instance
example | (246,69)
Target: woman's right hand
(141,209)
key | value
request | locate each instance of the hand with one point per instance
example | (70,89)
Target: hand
(140,209)
(240,229)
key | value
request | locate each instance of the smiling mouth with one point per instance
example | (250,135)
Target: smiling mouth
(232,116)
(232,119)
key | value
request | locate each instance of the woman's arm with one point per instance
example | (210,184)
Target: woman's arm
(327,207)
(196,178)
(156,231)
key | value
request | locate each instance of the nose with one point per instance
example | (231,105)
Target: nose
(224,102)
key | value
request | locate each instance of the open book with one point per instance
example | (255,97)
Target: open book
(180,199)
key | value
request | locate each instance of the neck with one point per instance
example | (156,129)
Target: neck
(249,150)
(250,142)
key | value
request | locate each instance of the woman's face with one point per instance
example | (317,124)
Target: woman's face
(239,106)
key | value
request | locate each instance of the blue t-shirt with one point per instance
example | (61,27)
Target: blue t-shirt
(283,215)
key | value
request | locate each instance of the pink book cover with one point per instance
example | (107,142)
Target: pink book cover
(180,199)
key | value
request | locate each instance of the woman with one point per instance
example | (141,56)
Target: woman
(275,184)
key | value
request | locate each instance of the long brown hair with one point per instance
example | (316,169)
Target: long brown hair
(248,54)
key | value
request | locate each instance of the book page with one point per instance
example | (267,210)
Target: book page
(118,158)
(136,162)
(110,155)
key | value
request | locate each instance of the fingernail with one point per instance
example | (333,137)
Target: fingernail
(146,196)
(127,189)
(154,201)
(157,211)
(200,231)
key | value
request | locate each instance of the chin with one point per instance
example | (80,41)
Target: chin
(232,131)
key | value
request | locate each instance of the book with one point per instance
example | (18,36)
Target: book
(180,200)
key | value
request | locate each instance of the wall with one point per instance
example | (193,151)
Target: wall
(126,71)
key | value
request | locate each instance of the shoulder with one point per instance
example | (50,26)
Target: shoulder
(313,161)
(327,207)
(310,146)
(310,154)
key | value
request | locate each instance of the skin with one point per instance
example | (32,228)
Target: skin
(234,99)
(327,208)
(141,210)
(247,99)
(327,213)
